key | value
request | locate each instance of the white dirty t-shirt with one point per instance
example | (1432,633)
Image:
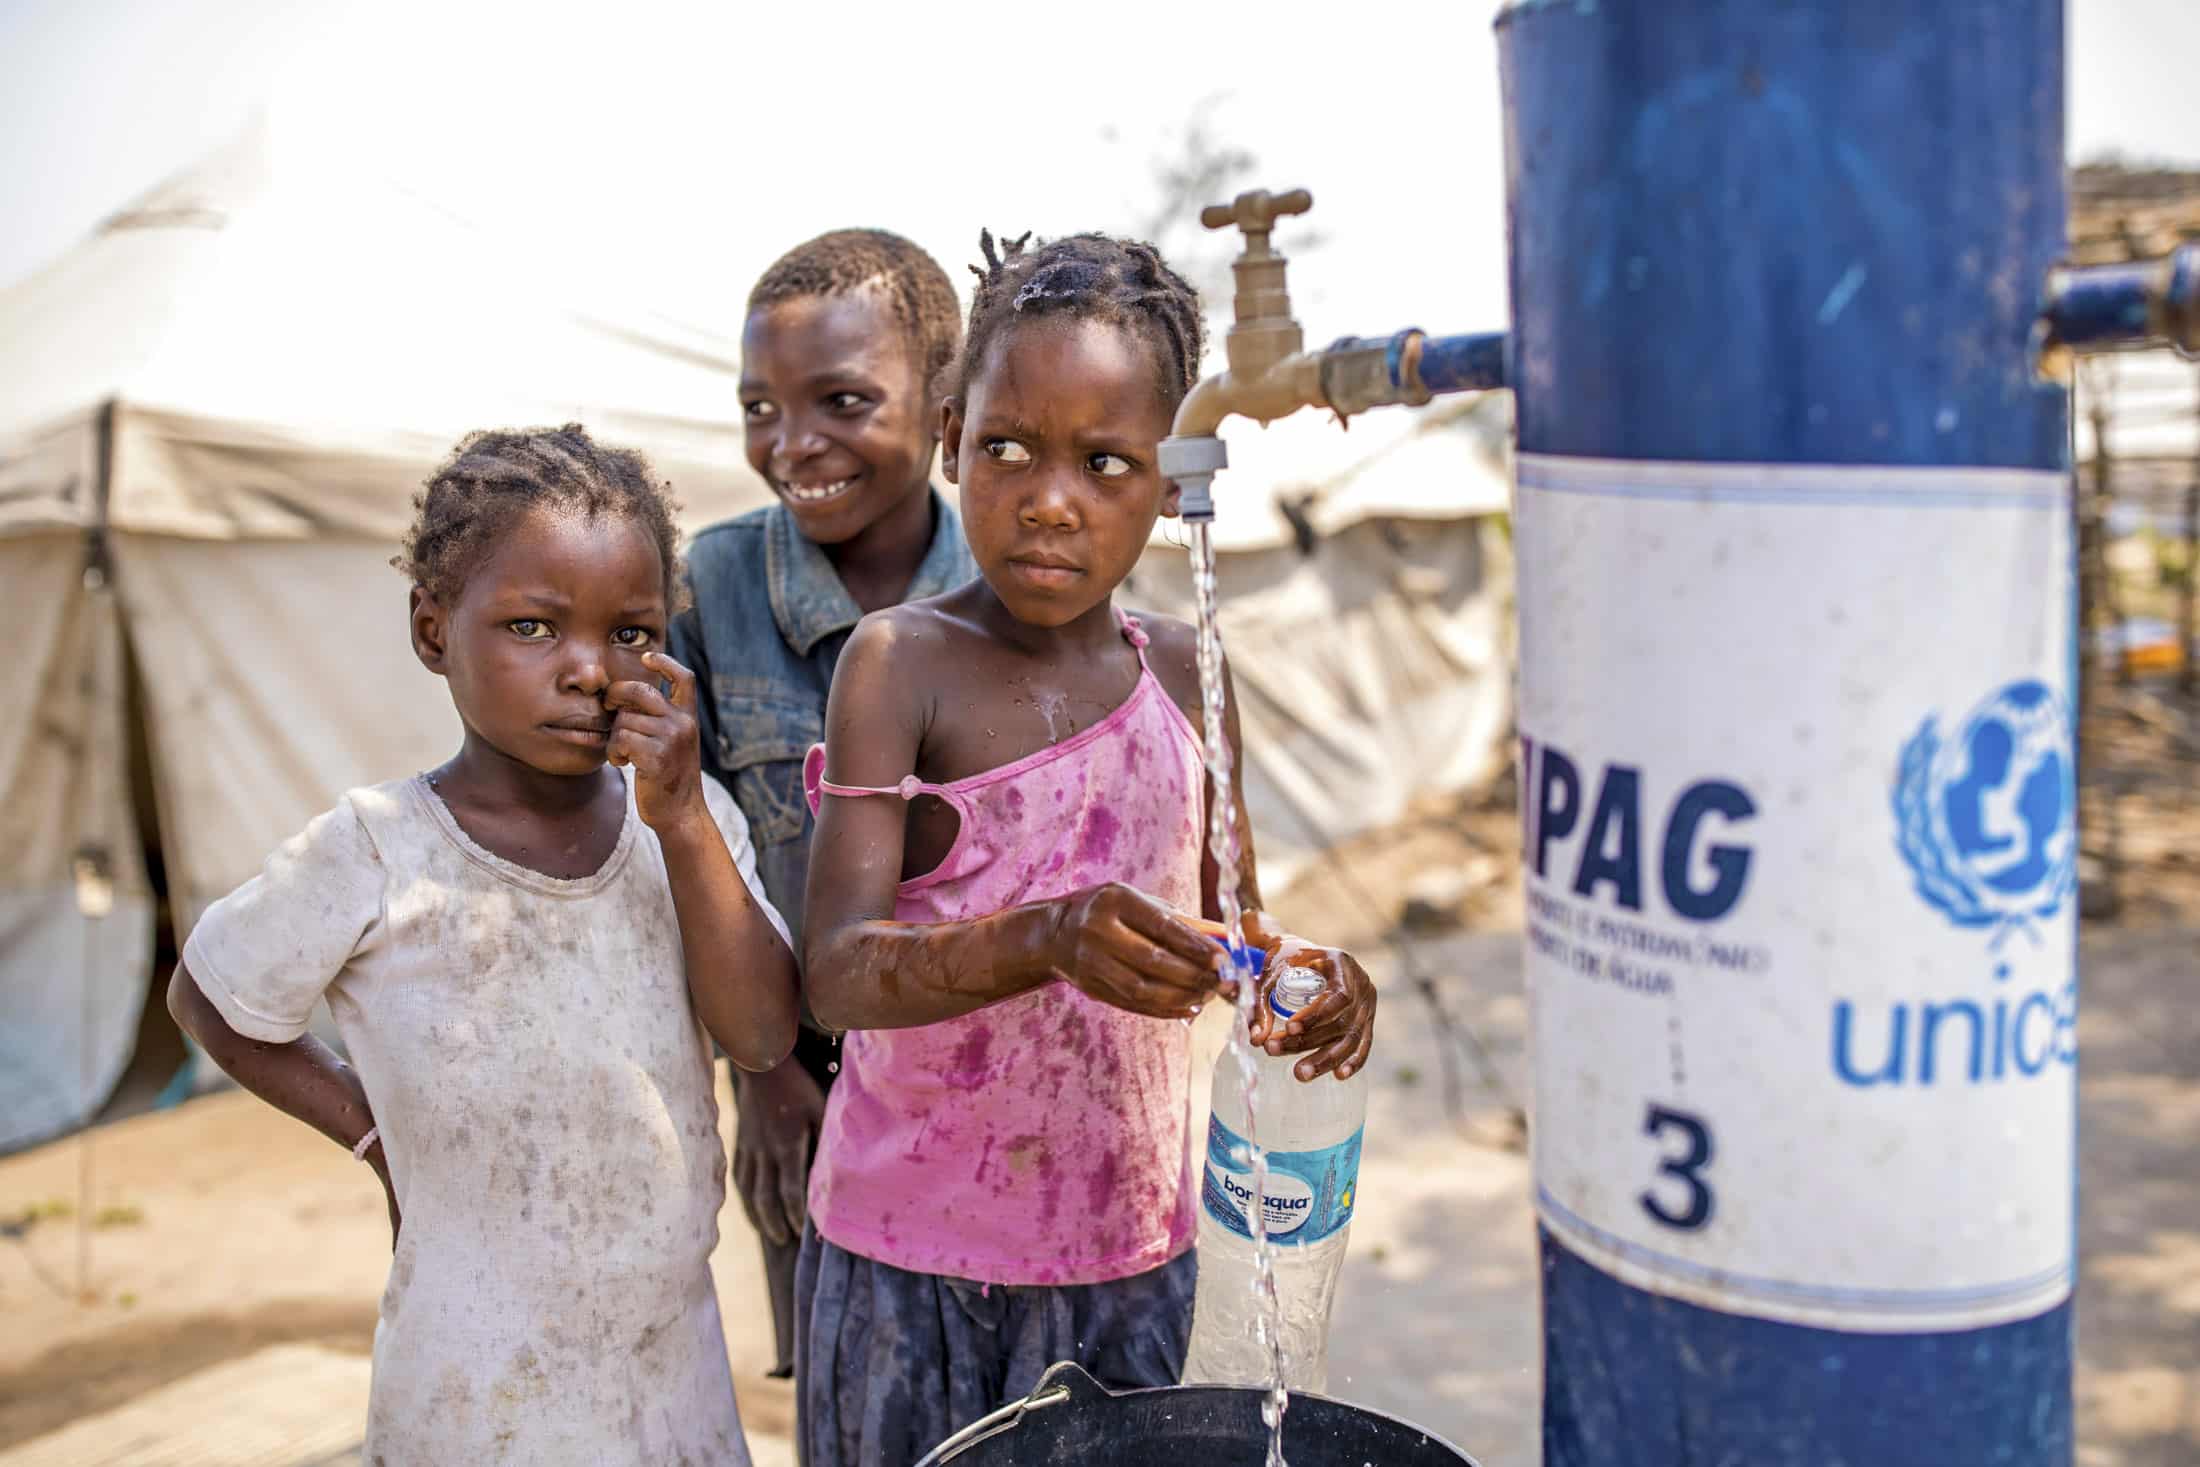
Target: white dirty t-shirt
(543,1089)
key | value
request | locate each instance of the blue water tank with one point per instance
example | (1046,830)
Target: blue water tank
(1797,678)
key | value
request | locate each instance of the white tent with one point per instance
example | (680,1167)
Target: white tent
(213,415)
(226,398)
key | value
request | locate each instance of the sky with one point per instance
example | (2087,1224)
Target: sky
(676,148)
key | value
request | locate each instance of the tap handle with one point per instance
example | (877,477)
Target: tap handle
(1256,210)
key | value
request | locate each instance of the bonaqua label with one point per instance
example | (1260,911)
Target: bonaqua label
(1308,1197)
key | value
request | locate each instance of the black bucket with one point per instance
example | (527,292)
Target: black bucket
(1071,1420)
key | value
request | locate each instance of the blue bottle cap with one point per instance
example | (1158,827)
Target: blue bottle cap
(1243,956)
(1297,988)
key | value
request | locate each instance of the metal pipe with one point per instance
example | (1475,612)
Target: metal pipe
(1472,363)
(2125,304)
(1410,367)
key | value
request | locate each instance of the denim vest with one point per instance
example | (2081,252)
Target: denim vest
(768,622)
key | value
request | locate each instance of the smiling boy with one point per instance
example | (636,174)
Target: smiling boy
(844,337)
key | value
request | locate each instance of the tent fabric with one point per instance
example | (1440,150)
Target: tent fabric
(269,361)
(276,676)
(1375,667)
(74,944)
(1372,672)
(48,477)
(290,351)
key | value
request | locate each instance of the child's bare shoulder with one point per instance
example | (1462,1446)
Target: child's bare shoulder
(1169,639)
(911,627)
(1172,651)
(911,637)
(1167,633)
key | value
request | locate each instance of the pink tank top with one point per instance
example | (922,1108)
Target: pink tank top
(1039,1140)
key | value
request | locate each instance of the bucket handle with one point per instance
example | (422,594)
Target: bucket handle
(1004,1419)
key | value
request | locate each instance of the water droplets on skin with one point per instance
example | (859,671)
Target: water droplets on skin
(1222,840)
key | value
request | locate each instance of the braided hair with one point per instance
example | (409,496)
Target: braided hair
(917,290)
(494,477)
(1093,277)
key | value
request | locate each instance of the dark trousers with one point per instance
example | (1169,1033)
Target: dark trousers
(889,1363)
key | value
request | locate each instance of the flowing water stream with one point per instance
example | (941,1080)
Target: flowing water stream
(1222,839)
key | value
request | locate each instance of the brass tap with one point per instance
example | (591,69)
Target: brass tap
(1264,332)
(1270,374)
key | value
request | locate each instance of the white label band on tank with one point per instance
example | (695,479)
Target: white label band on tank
(1797,792)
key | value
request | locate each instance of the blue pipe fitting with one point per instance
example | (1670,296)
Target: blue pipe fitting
(1409,366)
(2103,306)
(1470,363)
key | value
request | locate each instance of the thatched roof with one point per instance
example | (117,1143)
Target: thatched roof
(2126,211)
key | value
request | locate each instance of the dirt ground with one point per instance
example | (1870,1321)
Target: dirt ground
(233,1259)
(2141,804)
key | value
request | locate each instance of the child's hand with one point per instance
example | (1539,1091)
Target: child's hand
(778,1113)
(656,735)
(1339,1025)
(1120,946)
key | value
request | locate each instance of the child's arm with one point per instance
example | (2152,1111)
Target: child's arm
(740,972)
(304,1078)
(863,970)
(778,1112)
(258,961)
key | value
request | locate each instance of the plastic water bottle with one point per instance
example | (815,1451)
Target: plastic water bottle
(1311,1131)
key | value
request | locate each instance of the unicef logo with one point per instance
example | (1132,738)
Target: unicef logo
(1985,820)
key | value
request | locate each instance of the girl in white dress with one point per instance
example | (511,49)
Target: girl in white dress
(523,949)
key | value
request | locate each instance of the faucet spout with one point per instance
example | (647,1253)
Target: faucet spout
(1286,386)
(1191,455)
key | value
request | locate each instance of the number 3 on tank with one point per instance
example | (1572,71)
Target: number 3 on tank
(1686,1169)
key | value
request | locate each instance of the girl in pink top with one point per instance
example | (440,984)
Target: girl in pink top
(1001,889)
